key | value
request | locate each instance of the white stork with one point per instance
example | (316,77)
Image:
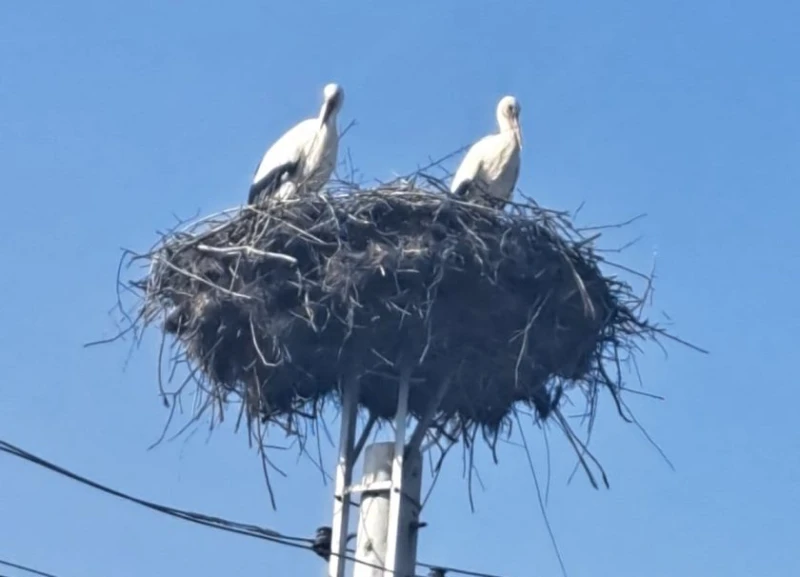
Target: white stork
(304,156)
(491,166)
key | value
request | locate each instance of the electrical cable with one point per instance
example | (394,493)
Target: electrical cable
(25,568)
(213,522)
(192,517)
(444,570)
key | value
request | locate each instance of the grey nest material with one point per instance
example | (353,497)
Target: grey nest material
(277,306)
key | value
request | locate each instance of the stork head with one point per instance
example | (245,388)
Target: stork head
(333,96)
(508,110)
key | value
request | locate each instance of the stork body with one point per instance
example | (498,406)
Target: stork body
(490,168)
(303,159)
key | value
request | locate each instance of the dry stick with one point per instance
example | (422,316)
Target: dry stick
(172,410)
(264,461)
(362,439)
(650,439)
(244,410)
(580,450)
(160,364)
(204,235)
(119,335)
(472,469)
(249,250)
(118,286)
(437,470)
(524,346)
(316,432)
(549,464)
(258,349)
(539,497)
(437,162)
(204,281)
(415,442)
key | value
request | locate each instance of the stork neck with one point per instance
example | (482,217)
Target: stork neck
(504,124)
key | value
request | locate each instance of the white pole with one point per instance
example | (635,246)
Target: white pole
(396,500)
(344,478)
(374,527)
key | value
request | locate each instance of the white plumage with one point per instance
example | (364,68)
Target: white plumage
(490,168)
(303,158)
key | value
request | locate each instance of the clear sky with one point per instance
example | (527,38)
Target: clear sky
(113,117)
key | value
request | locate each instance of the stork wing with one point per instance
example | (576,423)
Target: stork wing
(271,181)
(462,188)
(468,169)
(282,158)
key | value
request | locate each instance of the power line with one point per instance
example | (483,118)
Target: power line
(192,517)
(199,518)
(444,569)
(25,568)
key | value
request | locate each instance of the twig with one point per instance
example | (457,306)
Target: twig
(248,250)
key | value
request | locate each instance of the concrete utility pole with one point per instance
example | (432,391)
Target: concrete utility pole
(374,545)
(343,480)
(390,489)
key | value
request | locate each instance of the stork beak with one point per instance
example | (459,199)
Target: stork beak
(327,109)
(517,133)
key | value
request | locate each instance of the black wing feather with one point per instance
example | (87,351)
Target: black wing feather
(462,189)
(270,182)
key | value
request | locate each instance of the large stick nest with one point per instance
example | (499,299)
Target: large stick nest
(279,305)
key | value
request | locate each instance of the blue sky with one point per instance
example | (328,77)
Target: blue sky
(114,117)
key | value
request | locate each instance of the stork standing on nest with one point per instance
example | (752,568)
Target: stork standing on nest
(490,168)
(304,157)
